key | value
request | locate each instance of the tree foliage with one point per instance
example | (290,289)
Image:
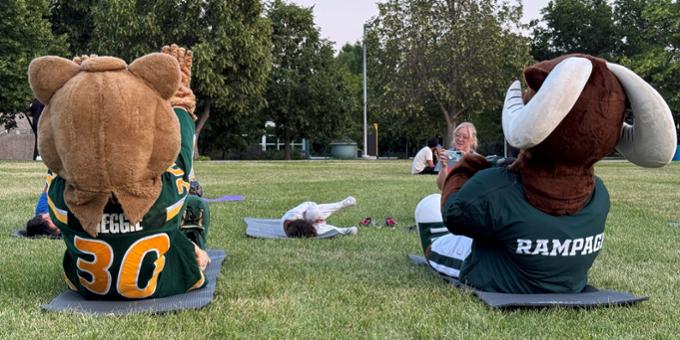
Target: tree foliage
(349,62)
(571,26)
(434,59)
(643,35)
(657,59)
(230,40)
(26,34)
(307,96)
(73,19)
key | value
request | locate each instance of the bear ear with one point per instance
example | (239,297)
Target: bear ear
(160,71)
(535,76)
(48,74)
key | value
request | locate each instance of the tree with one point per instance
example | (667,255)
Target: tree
(230,40)
(571,26)
(443,58)
(306,95)
(232,65)
(349,62)
(26,34)
(73,19)
(659,61)
(630,26)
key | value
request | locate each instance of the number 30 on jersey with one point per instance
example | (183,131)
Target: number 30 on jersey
(127,284)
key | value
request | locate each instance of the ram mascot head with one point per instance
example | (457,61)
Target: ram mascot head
(571,116)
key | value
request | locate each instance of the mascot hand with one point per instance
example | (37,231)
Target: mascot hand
(184,97)
(461,172)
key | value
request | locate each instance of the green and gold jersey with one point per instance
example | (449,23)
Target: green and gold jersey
(152,258)
(517,248)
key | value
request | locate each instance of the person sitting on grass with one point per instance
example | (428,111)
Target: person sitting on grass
(423,162)
(465,141)
(309,219)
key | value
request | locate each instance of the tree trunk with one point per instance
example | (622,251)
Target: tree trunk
(286,149)
(200,124)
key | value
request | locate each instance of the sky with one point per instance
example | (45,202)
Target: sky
(342,21)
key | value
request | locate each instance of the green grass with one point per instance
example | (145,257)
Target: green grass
(351,287)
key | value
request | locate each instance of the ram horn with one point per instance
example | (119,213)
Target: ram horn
(527,126)
(651,140)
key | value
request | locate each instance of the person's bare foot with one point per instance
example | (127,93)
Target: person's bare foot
(202,258)
(349,201)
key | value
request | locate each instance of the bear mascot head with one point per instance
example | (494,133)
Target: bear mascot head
(108,129)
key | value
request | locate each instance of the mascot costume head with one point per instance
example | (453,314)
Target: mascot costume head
(573,117)
(108,130)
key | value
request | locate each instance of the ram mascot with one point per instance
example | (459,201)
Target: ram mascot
(117,140)
(537,225)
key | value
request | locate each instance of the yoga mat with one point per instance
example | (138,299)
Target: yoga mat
(70,301)
(224,198)
(591,297)
(271,229)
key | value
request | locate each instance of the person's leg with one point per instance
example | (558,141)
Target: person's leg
(324,228)
(429,221)
(329,208)
(448,252)
(428,171)
(196,221)
(429,232)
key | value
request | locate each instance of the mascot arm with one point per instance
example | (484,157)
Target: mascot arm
(468,211)
(186,128)
(461,172)
(184,97)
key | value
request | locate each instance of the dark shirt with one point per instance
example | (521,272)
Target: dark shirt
(518,248)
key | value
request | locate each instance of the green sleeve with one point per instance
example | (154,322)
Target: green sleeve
(469,211)
(187,129)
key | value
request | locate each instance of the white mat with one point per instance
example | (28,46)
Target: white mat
(271,228)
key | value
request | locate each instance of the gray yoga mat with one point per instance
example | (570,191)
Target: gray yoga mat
(591,297)
(271,228)
(70,301)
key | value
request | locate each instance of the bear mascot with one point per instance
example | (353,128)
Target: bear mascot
(117,140)
(537,225)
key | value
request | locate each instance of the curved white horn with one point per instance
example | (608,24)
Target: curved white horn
(527,126)
(651,140)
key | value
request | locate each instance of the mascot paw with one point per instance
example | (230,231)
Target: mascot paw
(184,97)
(500,162)
(470,164)
(461,172)
(79,59)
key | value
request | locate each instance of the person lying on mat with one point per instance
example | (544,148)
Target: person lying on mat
(309,219)
(120,186)
(465,141)
(41,225)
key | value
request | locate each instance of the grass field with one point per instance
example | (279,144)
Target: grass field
(361,286)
